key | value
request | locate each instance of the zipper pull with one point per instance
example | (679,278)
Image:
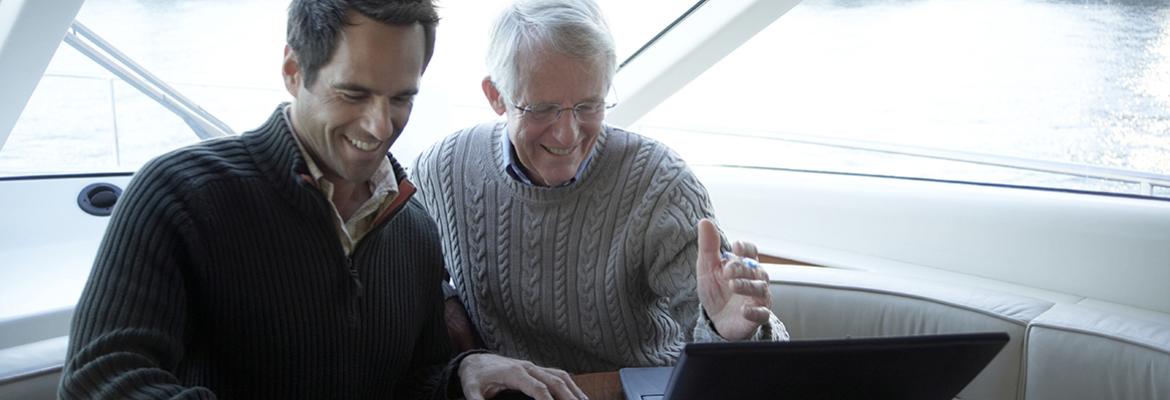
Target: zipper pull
(355,280)
(355,286)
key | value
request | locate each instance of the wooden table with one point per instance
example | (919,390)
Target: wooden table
(600,385)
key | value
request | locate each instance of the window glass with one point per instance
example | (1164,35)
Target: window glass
(225,56)
(1052,93)
(452,98)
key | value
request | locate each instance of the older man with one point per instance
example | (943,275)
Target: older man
(291,261)
(575,244)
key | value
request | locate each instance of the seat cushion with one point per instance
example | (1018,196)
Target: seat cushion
(821,303)
(31,371)
(1089,351)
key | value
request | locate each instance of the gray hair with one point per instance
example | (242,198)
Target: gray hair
(574,28)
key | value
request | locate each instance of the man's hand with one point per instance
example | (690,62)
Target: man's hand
(735,296)
(459,330)
(485,375)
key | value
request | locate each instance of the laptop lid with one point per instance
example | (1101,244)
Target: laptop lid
(645,383)
(928,367)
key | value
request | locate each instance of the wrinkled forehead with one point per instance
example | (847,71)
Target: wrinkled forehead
(550,76)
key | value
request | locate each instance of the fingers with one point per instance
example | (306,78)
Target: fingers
(750,287)
(558,382)
(743,268)
(568,379)
(534,387)
(745,249)
(747,281)
(517,378)
(759,315)
(708,244)
(486,375)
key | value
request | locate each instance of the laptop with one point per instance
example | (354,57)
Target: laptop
(927,367)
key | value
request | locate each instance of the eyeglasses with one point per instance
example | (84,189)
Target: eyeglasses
(592,112)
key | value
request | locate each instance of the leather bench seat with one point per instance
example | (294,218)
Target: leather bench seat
(1091,351)
(32,371)
(1062,346)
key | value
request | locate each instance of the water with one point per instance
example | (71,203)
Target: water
(1072,81)
(226,56)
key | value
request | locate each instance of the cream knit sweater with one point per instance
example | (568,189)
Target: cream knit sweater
(593,276)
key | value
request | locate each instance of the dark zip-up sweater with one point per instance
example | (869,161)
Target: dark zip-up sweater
(221,275)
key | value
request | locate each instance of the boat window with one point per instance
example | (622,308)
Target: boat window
(225,56)
(451,97)
(1067,94)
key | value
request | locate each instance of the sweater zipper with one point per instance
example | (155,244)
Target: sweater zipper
(406,190)
(356,288)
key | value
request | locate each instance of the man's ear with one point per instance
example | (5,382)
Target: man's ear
(291,70)
(493,96)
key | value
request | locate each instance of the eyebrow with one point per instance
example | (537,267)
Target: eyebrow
(353,87)
(558,104)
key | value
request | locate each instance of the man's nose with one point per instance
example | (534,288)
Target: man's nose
(379,120)
(565,129)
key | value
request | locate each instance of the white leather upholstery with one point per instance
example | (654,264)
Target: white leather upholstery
(31,371)
(817,303)
(1072,348)
(1080,351)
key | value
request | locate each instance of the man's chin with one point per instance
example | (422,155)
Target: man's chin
(354,174)
(556,179)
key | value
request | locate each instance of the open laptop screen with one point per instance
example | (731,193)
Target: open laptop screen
(928,367)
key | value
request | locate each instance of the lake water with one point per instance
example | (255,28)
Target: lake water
(1072,81)
(1084,82)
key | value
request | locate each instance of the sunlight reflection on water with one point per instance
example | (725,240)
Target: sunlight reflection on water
(1073,81)
(1070,81)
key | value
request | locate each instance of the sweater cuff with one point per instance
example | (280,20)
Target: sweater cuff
(773,331)
(454,384)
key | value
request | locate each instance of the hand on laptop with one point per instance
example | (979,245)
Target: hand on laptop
(485,375)
(734,294)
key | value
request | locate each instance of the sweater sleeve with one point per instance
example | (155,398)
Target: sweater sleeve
(431,364)
(671,245)
(773,331)
(673,240)
(130,324)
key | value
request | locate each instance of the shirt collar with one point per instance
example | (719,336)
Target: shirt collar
(383,182)
(512,166)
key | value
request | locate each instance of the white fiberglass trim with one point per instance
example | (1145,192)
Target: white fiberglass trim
(712,32)
(1147,180)
(1100,247)
(30,31)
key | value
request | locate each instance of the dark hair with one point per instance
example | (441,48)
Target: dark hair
(314,26)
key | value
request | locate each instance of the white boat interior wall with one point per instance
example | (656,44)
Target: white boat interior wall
(1066,246)
(47,248)
(903,257)
(1078,281)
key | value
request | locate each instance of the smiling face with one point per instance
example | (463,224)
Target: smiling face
(361,99)
(551,151)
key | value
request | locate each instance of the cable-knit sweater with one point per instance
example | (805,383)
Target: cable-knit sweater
(221,275)
(592,276)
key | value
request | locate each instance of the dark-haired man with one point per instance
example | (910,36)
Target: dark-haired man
(290,261)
